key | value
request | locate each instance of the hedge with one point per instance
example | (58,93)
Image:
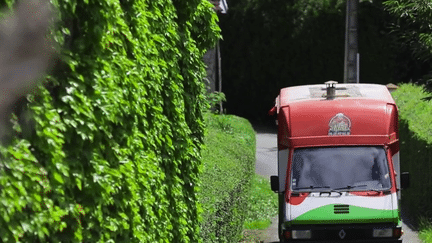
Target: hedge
(415,124)
(115,151)
(269,45)
(229,166)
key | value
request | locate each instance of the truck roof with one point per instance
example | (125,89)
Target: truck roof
(343,91)
(357,114)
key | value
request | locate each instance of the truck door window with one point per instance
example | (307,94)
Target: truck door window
(350,168)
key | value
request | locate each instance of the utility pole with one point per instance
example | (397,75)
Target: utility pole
(351,62)
(219,73)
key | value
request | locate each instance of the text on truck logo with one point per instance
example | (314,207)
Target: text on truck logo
(339,125)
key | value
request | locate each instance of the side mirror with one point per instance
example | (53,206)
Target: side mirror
(405,180)
(272,111)
(274,183)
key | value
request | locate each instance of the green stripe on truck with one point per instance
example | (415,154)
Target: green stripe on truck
(326,215)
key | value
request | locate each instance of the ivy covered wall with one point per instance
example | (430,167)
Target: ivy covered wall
(115,149)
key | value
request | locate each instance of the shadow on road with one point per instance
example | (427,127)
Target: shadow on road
(264,127)
(409,219)
(274,149)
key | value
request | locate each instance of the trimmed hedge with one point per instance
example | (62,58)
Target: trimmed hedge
(116,149)
(415,124)
(229,166)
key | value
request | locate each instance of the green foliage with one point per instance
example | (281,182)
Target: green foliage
(414,24)
(269,45)
(229,164)
(214,99)
(411,34)
(116,152)
(415,146)
(262,209)
(425,233)
(263,204)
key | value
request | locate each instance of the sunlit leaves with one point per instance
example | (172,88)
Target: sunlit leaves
(226,177)
(415,145)
(120,134)
(414,25)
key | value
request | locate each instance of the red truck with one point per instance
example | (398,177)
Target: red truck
(338,164)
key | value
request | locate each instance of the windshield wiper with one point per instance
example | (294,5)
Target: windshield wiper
(311,187)
(348,187)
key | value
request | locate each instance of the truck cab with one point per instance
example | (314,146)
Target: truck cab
(338,164)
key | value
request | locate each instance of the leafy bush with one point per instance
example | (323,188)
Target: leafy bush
(412,34)
(269,45)
(425,233)
(413,25)
(229,166)
(416,146)
(116,148)
(263,206)
(214,100)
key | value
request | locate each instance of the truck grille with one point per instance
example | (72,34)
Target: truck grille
(341,209)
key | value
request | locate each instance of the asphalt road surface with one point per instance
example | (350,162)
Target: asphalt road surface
(266,165)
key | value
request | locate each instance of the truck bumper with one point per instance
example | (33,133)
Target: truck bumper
(353,233)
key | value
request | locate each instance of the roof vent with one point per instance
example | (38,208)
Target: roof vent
(331,89)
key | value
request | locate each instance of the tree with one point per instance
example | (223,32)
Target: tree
(412,30)
(414,25)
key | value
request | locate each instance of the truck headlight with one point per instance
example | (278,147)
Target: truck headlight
(301,234)
(383,232)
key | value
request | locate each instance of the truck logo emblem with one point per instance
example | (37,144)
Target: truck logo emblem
(342,234)
(339,125)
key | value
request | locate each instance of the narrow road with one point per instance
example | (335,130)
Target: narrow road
(266,165)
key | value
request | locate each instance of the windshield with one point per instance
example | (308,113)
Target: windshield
(340,168)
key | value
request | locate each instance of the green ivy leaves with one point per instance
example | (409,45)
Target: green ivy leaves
(119,135)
